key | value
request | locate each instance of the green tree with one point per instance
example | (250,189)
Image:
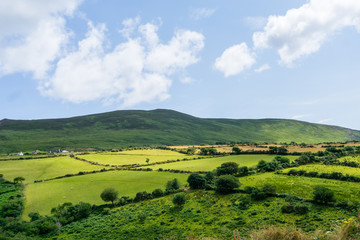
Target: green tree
(228,168)
(226,184)
(323,195)
(236,150)
(109,195)
(191,150)
(147,160)
(173,185)
(19,180)
(179,199)
(196,181)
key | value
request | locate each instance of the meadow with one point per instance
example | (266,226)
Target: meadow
(41,197)
(39,169)
(350,159)
(327,169)
(209,164)
(129,157)
(304,186)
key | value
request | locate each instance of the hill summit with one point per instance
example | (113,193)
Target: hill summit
(158,127)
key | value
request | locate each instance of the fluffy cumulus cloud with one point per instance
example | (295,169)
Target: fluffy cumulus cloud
(137,70)
(298,33)
(35,39)
(235,59)
(32,34)
(302,31)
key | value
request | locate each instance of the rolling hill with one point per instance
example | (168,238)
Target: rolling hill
(157,127)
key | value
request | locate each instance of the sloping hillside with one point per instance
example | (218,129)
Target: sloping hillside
(157,127)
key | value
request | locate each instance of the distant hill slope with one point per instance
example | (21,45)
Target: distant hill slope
(157,127)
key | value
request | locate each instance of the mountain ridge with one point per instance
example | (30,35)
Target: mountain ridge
(158,127)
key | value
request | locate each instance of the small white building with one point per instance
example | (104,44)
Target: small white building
(20,154)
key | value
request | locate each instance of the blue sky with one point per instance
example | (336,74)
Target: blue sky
(292,59)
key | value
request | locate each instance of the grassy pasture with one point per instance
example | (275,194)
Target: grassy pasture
(41,197)
(303,186)
(37,169)
(327,169)
(209,164)
(350,159)
(134,156)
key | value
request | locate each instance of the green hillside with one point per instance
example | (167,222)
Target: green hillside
(157,127)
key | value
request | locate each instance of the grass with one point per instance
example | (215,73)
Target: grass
(37,169)
(205,215)
(327,169)
(304,186)
(157,127)
(350,159)
(134,156)
(41,197)
(209,164)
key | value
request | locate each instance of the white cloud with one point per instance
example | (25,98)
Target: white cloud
(235,59)
(201,13)
(300,116)
(324,120)
(262,68)
(302,31)
(32,34)
(137,70)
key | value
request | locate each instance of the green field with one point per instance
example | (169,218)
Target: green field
(37,169)
(350,159)
(327,169)
(41,197)
(209,164)
(303,186)
(134,156)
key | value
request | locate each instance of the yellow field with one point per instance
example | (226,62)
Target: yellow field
(134,157)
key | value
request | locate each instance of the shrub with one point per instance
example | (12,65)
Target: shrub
(173,184)
(269,189)
(287,208)
(243,171)
(140,196)
(179,199)
(226,184)
(196,181)
(323,195)
(158,192)
(301,209)
(257,194)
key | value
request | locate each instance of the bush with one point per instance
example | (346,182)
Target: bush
(140,196)
(226,184)
(301,209)
(179,199)
(287,208)
(269,189)
(196,181)
(243,171)
(158,193)
(173,184)
(323,195)
(257,194)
